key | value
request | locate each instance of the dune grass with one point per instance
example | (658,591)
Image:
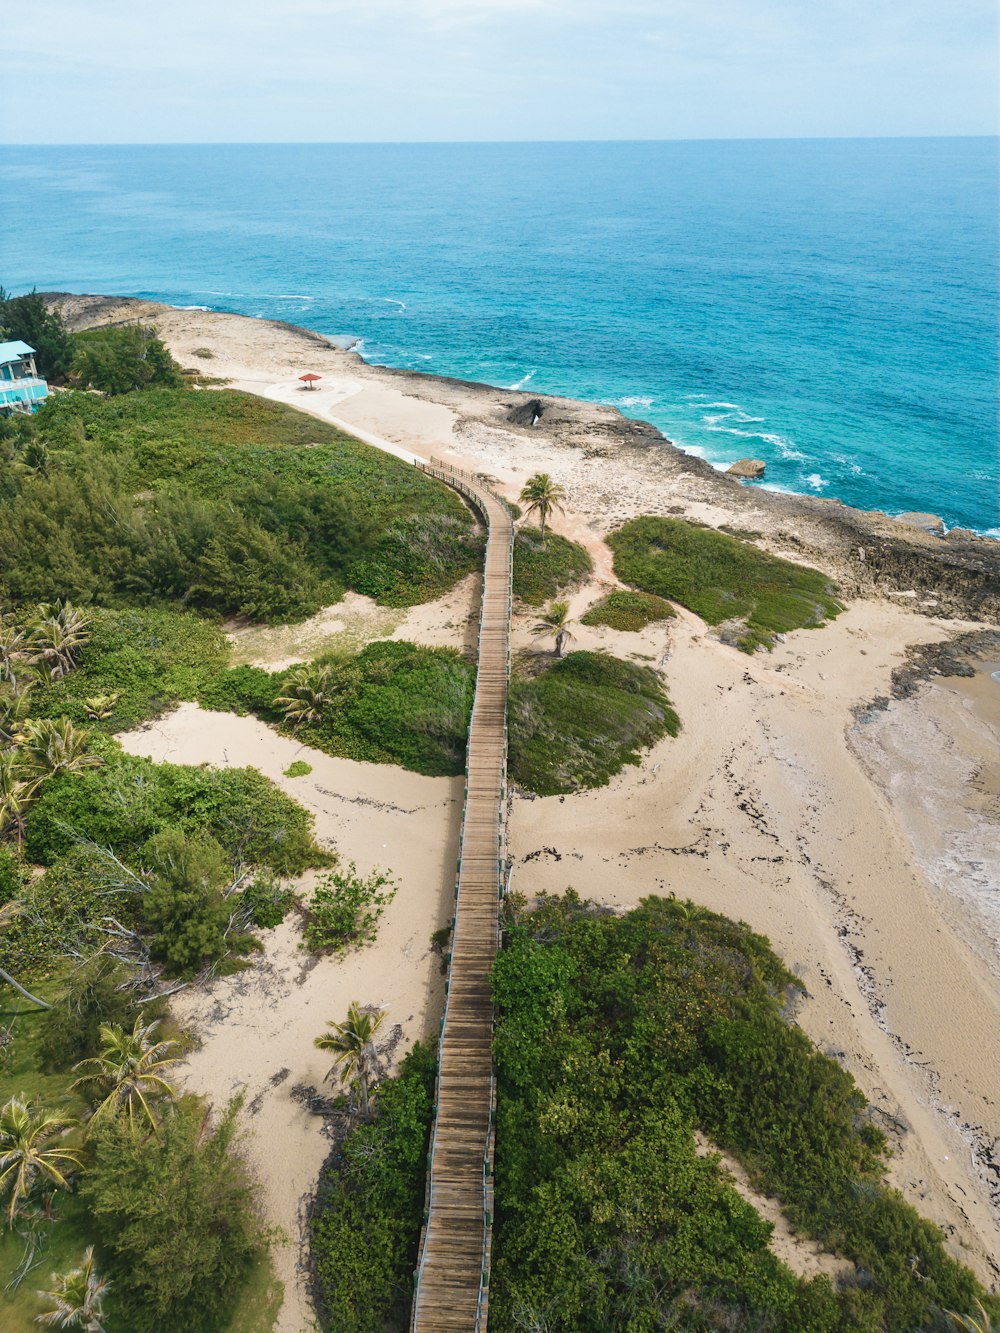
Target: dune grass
(628,610)
(582,720)
(722,579)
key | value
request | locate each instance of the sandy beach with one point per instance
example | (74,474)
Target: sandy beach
(863,843)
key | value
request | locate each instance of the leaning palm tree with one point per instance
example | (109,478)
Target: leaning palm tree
(308,689)
(555,624)
(27,1151)
(59,632)
(18,788)
(127,1076)
(77,1299)
(542,496)
(55,745)
(353,1047)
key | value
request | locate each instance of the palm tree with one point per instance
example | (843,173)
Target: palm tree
(555,624)
(18,787)
(26,1151)
(59,631)
(353,1047)
(15,654)
(55,745)
(542,496)
(77,1299)
(14,707)
(127,1075)
(308,689)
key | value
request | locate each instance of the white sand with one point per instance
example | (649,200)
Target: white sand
(761,809)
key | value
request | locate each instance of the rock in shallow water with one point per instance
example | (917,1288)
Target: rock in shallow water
(750,468)
(929,522)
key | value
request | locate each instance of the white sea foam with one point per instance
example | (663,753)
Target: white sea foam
(523,381)
(389,300)
(191,307)
(631,402)
(817,482)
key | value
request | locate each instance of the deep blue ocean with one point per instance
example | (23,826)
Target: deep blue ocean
(828,306)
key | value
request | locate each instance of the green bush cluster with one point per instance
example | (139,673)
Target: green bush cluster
(627,610)
(345,908)
(222,502)
(176,1219)
(124,360)
(140,661)
(617,1037)
(542,568)
(129,799)
(394,702)
(365,1225)
(582,720)
(721,578)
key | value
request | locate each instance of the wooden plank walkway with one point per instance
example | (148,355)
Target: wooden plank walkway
(451,1284)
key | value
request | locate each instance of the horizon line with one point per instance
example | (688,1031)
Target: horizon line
(451,143)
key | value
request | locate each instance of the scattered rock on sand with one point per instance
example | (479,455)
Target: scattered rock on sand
(928,522)
(751,469)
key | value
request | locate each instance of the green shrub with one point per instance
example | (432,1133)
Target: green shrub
(618,1037)
(96,992)
(298,768)
(544,568)
(223,502)
(266,901)
(144,660)
(627,610)
(129,799)
(184,909)
(365,1225)
(345,908)
(582,720)
(721,578)
(176,1220)
(393,702)
(123,360)
(13,874)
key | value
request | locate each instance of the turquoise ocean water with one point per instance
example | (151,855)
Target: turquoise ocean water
(828,306)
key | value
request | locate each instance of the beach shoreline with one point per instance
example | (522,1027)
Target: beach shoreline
(763,808)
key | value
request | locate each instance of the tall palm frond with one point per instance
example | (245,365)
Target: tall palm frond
(353,1046)
(542,496)
(308,689)
(15,705)
(59,633)
(126,1078)
(18,787)
(77,1298)
(55,745)
(27,1151)
(554,624)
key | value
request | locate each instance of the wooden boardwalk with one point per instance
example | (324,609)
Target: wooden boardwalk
(451,1284)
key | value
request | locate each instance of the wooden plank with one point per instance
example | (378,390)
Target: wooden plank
(451,1281)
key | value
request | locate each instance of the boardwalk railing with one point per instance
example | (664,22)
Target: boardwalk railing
(451,1283)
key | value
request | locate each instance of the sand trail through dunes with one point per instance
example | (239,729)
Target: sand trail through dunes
(256,1028)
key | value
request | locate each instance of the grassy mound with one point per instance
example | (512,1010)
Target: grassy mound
(721,578)
(224,502)
(392,703)
(542,569)
(582,721)
(627,610)
(618,1036)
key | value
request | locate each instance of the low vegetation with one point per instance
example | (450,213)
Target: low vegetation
(582,720)
(722,579)
(365,1225)
(628,610)
(394,702)
(345,908)
(617,1038)
(220,502)
(544,566)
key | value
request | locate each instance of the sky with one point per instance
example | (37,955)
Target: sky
(117,71)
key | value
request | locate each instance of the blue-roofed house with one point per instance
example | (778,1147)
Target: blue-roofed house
(21,387)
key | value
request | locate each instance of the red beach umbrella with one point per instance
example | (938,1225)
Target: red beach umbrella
(309,378)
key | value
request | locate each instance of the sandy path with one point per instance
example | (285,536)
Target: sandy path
(256,1028)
